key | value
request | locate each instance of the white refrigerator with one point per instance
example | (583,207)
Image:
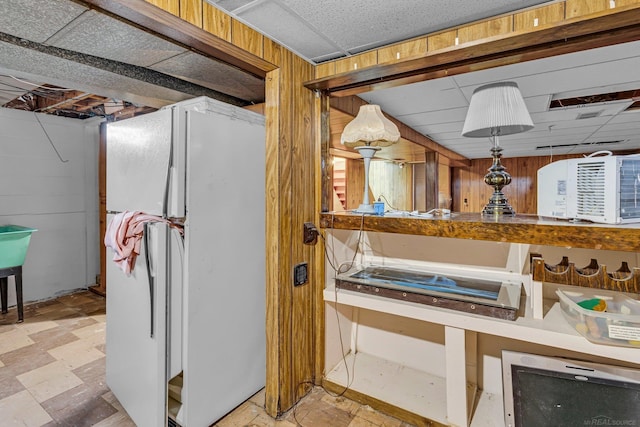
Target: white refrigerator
(186,329)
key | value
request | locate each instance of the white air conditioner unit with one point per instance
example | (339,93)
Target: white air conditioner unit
(599,189)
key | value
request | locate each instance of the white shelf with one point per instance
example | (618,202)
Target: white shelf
(413,390)
(489,412)
(552,331)
(416,391)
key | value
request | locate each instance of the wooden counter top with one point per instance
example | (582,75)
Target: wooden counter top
(530,229)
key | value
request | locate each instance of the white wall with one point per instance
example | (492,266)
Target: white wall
(58,195)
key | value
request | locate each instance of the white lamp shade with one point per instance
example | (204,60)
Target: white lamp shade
(370,127)
(496,109)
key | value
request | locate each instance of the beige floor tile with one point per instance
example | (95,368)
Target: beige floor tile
(361,422)
(258,398)
(101,318)
(241,416)
(13,340)
(264,420)
(49,381)
(52,379)
(33,326)
(95,334)
(111,399)
(118,419)
(77,353)
(21,409)
(376,418)
(341,402)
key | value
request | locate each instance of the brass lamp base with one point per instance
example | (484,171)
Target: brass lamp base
(497,178)
(498,207)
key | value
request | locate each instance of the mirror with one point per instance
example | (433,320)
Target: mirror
(580,103)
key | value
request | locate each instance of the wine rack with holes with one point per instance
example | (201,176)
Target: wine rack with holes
(591,276)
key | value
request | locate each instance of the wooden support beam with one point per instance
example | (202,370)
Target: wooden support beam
(586,32)
(152,19)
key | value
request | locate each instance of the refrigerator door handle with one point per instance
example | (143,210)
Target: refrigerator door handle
(150,275)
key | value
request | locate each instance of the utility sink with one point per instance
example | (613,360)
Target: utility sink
(14,242)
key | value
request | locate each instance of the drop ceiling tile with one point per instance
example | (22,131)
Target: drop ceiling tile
(214,75)
(288,29)
(105,37)
(35,66)
(407,100)
(626,119)
(230,5)
(355,25)
(24,18)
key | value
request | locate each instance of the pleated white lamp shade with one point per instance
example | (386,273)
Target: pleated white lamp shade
(496,109)
(370,127)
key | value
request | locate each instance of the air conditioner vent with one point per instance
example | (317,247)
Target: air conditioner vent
(630,188)
(590,194)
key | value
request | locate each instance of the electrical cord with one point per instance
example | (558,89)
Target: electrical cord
(387,202)
(49,138)
(329,253)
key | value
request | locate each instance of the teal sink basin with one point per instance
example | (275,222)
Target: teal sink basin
(14,242)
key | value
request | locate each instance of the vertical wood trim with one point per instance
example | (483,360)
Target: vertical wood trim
(274,299)
(354,183)
(303,205)
(322,141)
(216,22)
(478,186)
(292,310)
(191,11)
(272,219)
(431,180)
(326,183)
(285,201)
(444,184)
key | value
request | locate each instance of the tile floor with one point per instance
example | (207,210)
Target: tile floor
(52,373)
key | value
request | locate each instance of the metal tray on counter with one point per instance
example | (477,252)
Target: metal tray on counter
(492,298)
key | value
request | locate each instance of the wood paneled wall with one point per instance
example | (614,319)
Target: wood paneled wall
(392,183)
(470,193)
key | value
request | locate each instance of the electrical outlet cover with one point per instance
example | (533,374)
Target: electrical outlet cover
(300,274)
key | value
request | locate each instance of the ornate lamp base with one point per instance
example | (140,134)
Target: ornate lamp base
(497,178)
(497,206)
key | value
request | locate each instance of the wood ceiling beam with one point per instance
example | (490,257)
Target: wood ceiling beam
(90,102)
(593,31)
(154,20)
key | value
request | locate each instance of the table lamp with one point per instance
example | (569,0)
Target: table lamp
(497,109)
(367,133)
